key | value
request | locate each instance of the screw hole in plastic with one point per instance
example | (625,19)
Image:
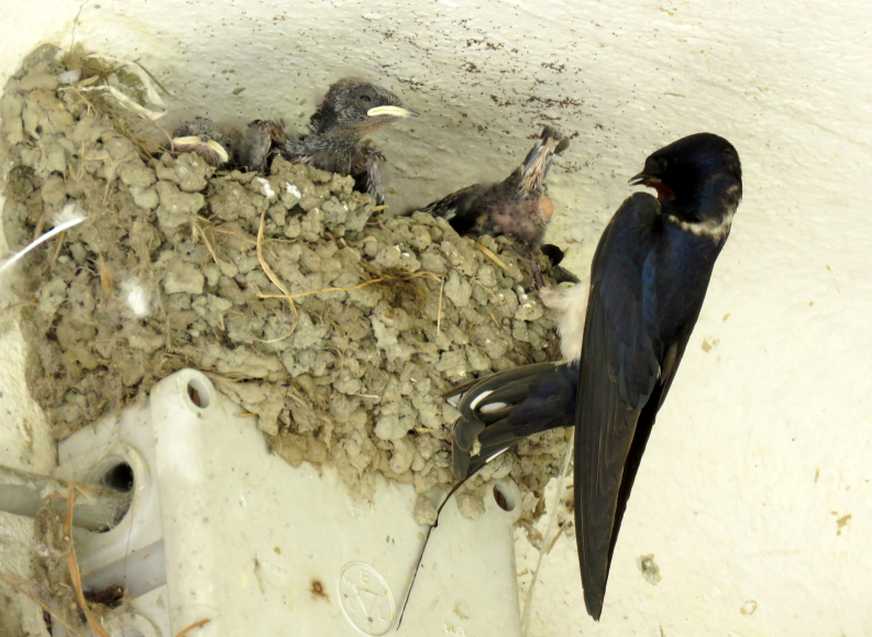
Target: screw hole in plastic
(198,393)
(119,477)
(504,500)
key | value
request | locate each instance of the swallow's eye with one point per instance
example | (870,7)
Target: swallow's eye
(366,99)
(657,166)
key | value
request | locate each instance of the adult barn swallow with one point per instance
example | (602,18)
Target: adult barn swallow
(649,277)
(351,110)
(516,206)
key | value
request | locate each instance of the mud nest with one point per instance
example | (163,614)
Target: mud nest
(335,325)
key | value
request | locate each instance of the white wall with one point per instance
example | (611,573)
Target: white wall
(764,442)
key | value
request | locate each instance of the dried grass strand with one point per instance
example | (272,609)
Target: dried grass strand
(379,279)
(24,587)
(73,566)
(439,306)
(490,254)
(546,545)
(192,627)
(207,243)
(267,270)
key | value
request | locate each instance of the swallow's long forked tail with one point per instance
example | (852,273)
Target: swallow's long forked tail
(497,412)
(423,550)
(500,410)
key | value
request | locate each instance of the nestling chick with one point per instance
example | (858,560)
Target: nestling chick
(249,149)
(258,141)
(201,135)
(352,110)
(516,206)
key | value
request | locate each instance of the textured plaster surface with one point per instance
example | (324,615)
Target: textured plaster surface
(755,496)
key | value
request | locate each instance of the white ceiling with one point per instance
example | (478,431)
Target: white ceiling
(765,439)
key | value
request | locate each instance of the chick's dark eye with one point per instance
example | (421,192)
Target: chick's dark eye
(365,98)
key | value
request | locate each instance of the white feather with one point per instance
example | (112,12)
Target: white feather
(496,455)
(266,188)
(570,305)
(71,215)
(493,407)
(479,398)
(136,297)
(70,77)
(72,211)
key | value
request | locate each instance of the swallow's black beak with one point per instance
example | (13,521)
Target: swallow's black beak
(664,192)
(642,179)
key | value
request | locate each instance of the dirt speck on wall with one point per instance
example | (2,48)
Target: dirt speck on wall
(385,312)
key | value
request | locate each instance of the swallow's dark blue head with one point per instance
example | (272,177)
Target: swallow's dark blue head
(697,178)
(354,104)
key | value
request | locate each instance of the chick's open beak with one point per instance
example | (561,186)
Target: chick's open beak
(390,111)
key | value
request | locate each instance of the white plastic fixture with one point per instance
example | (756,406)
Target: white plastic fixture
(754,494)
(219,529)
